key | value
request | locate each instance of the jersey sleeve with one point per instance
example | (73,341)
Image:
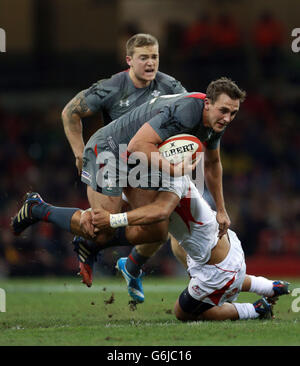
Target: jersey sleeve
(180,117)
(177,185)
(177,87)
(95,96)
(169,84)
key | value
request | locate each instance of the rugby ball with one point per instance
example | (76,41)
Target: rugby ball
(176,148)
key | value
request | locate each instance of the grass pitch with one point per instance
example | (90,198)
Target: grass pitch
(63,312)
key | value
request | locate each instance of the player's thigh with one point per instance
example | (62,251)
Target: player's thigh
(226,311)
(178,251)
(188,308)
(98,200)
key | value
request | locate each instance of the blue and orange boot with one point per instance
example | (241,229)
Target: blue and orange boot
(263,308)
(134,284)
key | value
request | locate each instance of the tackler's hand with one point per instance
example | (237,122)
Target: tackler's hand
(86,223)
(187,165)
(100,219)
(224,222)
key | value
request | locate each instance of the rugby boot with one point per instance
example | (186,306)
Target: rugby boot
(134,284)
(280,288)
(87,254)
(23,219)
(263,308)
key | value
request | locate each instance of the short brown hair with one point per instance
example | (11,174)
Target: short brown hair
(226,86)
(140,40)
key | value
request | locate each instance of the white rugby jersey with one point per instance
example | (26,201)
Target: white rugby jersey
(193,223)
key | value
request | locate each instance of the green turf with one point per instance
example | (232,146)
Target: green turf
(47,312)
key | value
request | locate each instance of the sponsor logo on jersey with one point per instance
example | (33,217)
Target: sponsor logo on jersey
(86,175)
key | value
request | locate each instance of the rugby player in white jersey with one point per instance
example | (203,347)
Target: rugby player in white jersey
(216,266)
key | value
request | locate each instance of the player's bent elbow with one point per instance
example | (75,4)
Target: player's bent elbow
(64,115)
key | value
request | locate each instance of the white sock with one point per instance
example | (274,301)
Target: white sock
(261,286)
(246,310)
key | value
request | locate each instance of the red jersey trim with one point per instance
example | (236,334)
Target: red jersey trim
(197,95)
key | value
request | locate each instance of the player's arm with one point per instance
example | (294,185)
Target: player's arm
(213,178)
(155,212)
(146,141)
(71,116)
(158,211)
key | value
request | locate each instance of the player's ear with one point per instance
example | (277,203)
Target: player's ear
(206,103)
(128,60)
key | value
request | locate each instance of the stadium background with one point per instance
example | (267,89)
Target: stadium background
(56,48)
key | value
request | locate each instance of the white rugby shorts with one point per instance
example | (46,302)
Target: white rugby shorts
(222,282)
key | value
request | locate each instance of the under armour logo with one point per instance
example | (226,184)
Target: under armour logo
(124,103)
(155,93)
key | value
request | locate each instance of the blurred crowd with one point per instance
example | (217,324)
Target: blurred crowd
(210,42)
(260,150)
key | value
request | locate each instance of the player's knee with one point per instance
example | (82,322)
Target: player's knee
(163,229)
(104,236)
(179,313)
(161,235)
(157,232)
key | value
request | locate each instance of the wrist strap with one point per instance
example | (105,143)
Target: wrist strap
(117,220)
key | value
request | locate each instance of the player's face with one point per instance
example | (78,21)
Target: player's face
(222,112)
(143,65)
